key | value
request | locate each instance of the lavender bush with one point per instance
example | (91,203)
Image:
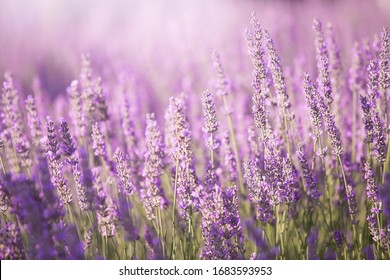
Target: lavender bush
(273,148)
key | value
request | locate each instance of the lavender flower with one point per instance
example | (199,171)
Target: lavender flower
(222,82)
(39,220)
(310,180)
(384,72)
(211,123)
(210,119)
(126,185)
(11,244)
(314,109)
(58,179)
(87,239)
(68,147)
(4,198)
(312,241)
(214,246)
(260,90)
(335,68)
(367,109)
(229,159)
(260,193)
(100,101)
(55,165)
(81,191)
(106,211)
(379,139)
(52,143)
(331,127)
(322,63)
(182,154)
(76,108)
(277,75)
(153,168)
(33,121)
(231,219)
(98,144)
(338,237)
(372,86)
(372,189)
(13,123)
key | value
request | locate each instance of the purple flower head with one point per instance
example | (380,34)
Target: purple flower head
(351,197)
(372,86)
(338,238)
(214,241)
(68,147)
(379,139)
(384,72)
(181,154)
(39,215)
(4,198)
(222,83)
(210,117)
(33,121)
(88,237)
(9,101)
(125,181)
(260,193)
(372,187)
(98,144)
(153,168)
(322,64)
(82,193)
(106,210)
(232,224)
(11,243)
(310,179)
(58,179)
(357,71)
(100,101)
(277,73)
(259,80)
(331,127)
(229,159)
(312,241)
(76,103)
(367,109)
(52,142)
(312,102)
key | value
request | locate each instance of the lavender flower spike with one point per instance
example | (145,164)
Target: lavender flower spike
(384,71)
(210,119)
(322,63)
(153,168)
(126,185)
(33,121)
(310,179)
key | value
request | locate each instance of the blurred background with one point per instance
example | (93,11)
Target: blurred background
(161,40)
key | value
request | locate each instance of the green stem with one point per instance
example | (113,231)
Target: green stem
(173,249)
(2,165)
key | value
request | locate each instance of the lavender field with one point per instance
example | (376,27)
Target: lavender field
(195,130)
